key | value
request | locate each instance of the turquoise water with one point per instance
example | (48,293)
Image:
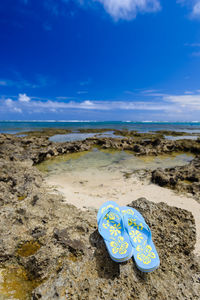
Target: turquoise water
(111,160)
(176,138)
(19,126)
(70,137)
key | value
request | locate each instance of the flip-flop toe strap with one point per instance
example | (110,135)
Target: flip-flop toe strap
(100,223)
(139,224)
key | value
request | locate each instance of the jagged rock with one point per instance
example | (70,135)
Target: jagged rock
(72,261)
(185,178)
(75,246)
(96,276)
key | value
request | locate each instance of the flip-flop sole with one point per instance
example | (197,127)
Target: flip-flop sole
(146,257)
(122,260)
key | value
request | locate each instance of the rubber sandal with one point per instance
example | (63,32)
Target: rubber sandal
(131,211)
(144,251)
(105,206)
(111,228)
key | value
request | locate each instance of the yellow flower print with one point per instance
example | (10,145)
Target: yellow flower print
(136,236)
(128,211)
(110,216)
(115,229)
(119,246)
(139,226)
(106,225)
(145,254)
(106,207)
(133,222)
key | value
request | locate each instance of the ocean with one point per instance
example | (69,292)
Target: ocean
(13,127)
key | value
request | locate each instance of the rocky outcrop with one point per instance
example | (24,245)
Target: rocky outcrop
(38,148)
(56,249)
(35,149)
(64,257)
(85,270)
(186,178)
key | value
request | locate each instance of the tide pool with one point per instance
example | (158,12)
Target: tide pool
(110,161)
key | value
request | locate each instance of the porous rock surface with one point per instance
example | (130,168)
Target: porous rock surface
(185,178)
(37,148)
(72,261)
(91,274)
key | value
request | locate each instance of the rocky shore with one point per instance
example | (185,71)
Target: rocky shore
(182,179)
(52,250)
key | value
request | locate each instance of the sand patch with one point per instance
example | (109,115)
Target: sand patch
(92,188)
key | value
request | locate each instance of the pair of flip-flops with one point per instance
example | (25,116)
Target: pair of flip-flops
(126,234)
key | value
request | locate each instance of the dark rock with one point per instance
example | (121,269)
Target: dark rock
(185,178)
(38,232)
(35,199)
(34,268)
(75,246)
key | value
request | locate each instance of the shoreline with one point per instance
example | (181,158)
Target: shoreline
(48,244)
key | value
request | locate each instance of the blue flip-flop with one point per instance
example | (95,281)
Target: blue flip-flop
(111,228)
(105,206)
(131,211)
(144,251)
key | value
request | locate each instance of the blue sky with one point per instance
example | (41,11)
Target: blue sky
(100,60)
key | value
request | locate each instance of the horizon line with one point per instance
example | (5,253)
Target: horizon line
(95,121)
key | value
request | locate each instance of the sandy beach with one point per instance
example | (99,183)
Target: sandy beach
(91,189)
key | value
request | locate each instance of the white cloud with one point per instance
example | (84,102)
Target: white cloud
(93,105)
(128,9)
(16,109)
(196,9)
(11,106)
(191,102)
(9,102)
(23,98)
(149,91)
(186,104)
(188,92)
(121,9)
(193,5)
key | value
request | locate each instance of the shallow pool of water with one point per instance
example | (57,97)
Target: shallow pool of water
(77,136)
(111,160)
(21,135)
(70,137)
(184,137)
